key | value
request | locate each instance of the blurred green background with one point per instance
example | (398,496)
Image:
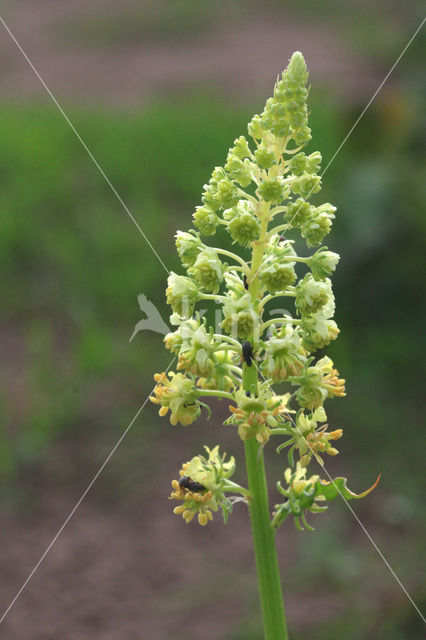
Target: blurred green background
(73,264)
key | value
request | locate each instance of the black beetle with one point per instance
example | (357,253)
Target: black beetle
(247,351)
(187,483)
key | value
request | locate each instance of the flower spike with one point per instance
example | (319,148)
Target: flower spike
(261,199)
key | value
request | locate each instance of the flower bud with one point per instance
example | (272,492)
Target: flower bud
(244,229)
(272,190)
(238,170)
(186,327)
(195,354)
(266,121)
(298,212)
(243,225)
(284,355)
(316,228)
(188,246)
(281,128)
(220,376)
(206,220)
(323,263)
(318,331)
(303,136)
(254,127)
(264,157)
(312,294)
(207,270)
(277,276)
(306,184)
(297,118)
(181,293)
(209,196)
(226,193)
(313,162)
(285,114)
(240,318)
(173,341)
(277,270)
(241,148)
(297,72)
(298,164)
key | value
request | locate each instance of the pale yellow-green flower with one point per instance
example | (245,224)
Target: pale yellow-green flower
(179,394)
(256,415)
(203,483)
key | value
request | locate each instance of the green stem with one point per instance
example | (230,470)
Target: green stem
(235,488)
(235,343)
(279,294)
(215,393)
(268,323)
(235,369)
(233,256)
(269,580)
(236,267)
(211,296)
(257,255)
(265,552)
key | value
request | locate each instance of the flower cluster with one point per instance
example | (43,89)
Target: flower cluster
(179,394)
(262,191)
(203,354)
(317,383)
(284,354)
(202,487)
(256,414)
(309,438)
(277,271)
(309,494)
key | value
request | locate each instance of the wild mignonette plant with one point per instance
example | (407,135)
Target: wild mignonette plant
(260,193)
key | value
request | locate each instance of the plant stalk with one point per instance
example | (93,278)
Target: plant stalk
(269,580)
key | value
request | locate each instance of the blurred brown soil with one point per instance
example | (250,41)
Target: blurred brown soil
(131,569)
(239,59)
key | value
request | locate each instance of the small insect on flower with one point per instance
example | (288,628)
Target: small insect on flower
(247,351)
(246,283)
(187,483)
